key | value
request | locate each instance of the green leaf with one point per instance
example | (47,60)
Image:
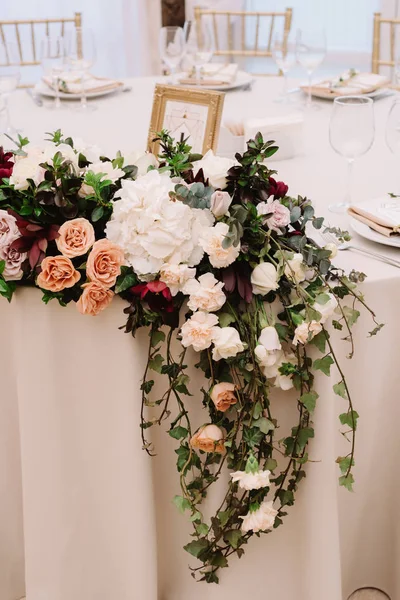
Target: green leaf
(320,340)
(178,432)
(324,364)
(351,315)
(181,503)
(219,560)
(196,547)
(125,281)
(233,537)
(3,286)
(156,363)
(97,213)
(225,319)
(322,299)
(270,464)
(223,517)
(2,266)
(345,463)
(304,435)
(157,337)
(309,400)
(340,389)
(347,481)
(147,386)
(264,425)
(286,497)
(350,418)
(202,529)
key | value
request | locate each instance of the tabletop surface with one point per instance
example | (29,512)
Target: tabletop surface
(121,122)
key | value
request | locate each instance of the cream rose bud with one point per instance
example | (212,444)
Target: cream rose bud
(332,248)
(176,276)
(295,270)
(215,169)
(199,331)
(227,343)
(211,241)
(220,203)
(306,331)
(264,279)
(269,338)
(251,481)
(223,395)
(261,519)
(9,231)
(205,293)
(209,438)
(326,310)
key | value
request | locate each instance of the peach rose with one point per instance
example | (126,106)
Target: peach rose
(223,395)
(95,298)
(209,438)
(57,273)
(104,262)
(75,237)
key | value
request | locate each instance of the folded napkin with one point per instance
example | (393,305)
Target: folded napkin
(286,131)
(213,74)
(71,83)
(350,82)
(381,215)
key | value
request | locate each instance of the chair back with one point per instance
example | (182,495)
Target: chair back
(380,23)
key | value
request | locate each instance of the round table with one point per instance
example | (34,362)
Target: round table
(86,514)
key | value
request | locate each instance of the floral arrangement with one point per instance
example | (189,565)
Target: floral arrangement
(216,253)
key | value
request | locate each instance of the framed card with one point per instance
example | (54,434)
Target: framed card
(195,113)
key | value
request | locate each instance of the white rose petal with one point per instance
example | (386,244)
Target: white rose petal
(8,229)
(261,519)
(227,343)
(327,309)
(205,293)
(199,331)
(175,276)
(306,331)
(141,161)
(215,169)
(295,270)
(264,279)
(211,242)
(220,203)
(251,481)
(332,249)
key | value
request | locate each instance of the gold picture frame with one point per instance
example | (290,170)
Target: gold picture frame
(195,113)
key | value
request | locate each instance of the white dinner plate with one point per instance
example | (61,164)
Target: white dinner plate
(242,80)
(325,95)
(43,90)
(369,234)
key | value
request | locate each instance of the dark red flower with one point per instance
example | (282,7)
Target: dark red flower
(238,276)
(157,294)
(277,189)
(6,164)
(34,239)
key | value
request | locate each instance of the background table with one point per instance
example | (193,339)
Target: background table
(91,513)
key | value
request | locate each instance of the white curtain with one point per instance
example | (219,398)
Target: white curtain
(126,31)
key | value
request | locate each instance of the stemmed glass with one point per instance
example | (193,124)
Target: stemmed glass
(80,57)
(52,61)
(392,135)
(9,79)
(284,55)
(172,47)
(310,52)
(199,48)
(351,134)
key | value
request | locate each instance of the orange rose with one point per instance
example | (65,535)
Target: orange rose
(223,395)
(95,298)
(104,262)
(75,237)
(209,438)
(57,273)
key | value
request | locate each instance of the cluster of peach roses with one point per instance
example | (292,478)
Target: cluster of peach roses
(76,238)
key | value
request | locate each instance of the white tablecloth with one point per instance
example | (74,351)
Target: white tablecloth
(85,514)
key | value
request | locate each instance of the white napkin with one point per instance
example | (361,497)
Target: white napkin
(71,83)
(380,214)
(286,131)
(352,82)
(213,74)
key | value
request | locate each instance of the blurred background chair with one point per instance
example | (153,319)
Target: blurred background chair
(388,48)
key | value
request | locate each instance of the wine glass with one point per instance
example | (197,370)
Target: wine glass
(199,48)
(310,52)
(9,79)
(52,61)
(172,47)
(80,56)
(392,135)
(284,55)
(351,134)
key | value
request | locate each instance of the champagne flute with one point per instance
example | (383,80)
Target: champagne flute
(9,79)
(351,134)
(284,55)
(52,61)
(172,47)
(310,52)
(199,48)
(80,57)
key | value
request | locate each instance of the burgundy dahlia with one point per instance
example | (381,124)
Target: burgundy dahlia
(6,164)
(277,189)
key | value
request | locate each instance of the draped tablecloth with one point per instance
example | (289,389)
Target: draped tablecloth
(85,514)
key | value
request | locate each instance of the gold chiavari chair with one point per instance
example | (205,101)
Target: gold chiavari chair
(377,61)
(262,46)
(27,30)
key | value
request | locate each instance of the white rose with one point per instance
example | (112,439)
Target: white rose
(278,214)
(175,276)
(220,203)
(227,343)
(332,249)
(251,481)
(264,278)
(27,167)
(327,309)
(68,154)
(271,369)
(205,293)
(199,331)
(306,331)
(13,259)
(261,519)
(89,151)
(110,173)
(295,270)
(215,169)
(8,229)
(211,242)
(141,161)
(269,348)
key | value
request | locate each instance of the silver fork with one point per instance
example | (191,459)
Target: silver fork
(329,238)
